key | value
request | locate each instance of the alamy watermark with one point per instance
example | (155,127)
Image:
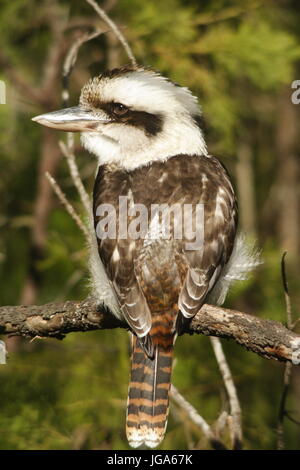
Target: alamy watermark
(161,222)
(295,345)
(2,352)
(2,92)
(295,97)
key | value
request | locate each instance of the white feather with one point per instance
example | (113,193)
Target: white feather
(101,287)
(131,148)
(244,258)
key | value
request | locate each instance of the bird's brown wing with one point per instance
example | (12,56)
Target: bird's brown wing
(117,253)
(219,219)
(136,269)
(201,188)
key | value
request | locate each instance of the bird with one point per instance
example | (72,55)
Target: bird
(146,132)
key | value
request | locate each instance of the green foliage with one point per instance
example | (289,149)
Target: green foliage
(62,394)
(213,59)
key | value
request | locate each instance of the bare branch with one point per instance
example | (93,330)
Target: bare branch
(288,304)
(68,206)
(193,414)
(288,367)
(71,58)
(220,423)
(115,29)
(70,157)
(268,338)
(235,409)
(282,409)
(293,420)
(68,150)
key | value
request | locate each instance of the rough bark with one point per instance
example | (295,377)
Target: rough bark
(268,338)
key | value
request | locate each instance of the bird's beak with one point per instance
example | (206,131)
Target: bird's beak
(75,119)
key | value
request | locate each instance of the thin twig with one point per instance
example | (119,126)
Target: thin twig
(68,150)
(288,367)
(193,414)
(293,420)
(235,409)
(71,58)
(115,29)
(288,304)
(70,157)
(70,209)
(221,422)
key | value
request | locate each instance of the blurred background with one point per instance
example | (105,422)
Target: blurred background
(240,59)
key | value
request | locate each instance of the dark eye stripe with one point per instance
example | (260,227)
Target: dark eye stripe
(152,124)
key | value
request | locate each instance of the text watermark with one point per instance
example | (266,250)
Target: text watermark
(3,352)
(295,97)
(2,92)
(295,345)
(161,222)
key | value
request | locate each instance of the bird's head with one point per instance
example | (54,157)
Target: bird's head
(132,116)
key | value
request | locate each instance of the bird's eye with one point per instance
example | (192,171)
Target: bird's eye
(119,109)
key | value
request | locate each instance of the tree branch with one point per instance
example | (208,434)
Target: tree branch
(288,367)
(114,28)
(193,414)
(235,418)
(268,338)
(68,206)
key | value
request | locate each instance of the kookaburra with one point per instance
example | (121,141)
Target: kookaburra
(145,132)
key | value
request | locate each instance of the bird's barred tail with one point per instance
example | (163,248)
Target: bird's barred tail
(148,396)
